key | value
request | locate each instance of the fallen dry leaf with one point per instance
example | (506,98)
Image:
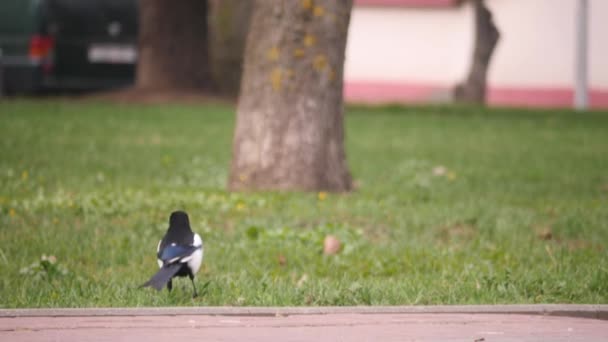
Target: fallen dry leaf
(331,245)
(439,170)
(303,279)
(544,233)
(282,260)
(458,231)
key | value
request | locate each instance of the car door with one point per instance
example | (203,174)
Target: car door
(95,42)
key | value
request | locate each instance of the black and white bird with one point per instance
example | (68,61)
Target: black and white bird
(179,253)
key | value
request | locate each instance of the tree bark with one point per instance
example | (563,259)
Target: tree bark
(228,27)
(289,132)
(173,45)
(486,39)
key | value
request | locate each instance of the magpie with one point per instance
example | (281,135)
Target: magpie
(179,253)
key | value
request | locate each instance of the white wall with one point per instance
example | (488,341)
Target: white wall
(598,63)
(413,45)
(433,46)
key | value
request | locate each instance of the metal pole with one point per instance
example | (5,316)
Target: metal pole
(581,94)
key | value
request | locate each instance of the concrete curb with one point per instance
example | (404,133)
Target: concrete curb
(567,310)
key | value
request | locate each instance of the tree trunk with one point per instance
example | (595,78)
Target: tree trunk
(486,39)
(173,45)
(228,27)
(289,133)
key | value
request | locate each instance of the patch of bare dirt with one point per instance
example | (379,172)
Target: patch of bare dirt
(161,96)
(458,232)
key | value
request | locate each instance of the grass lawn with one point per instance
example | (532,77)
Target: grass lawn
(517,214)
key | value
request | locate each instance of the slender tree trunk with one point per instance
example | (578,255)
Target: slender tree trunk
(289,133)
(486,39)
(228,27)
(173,45)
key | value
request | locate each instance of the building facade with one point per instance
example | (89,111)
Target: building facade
(403,51)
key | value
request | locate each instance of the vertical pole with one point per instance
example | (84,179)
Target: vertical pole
(581,94)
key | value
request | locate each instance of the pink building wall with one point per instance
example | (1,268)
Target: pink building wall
(403,51)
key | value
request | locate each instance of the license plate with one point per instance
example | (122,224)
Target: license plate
(112,54)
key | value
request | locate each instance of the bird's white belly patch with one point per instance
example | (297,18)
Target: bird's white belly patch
(195,262)
(196,259)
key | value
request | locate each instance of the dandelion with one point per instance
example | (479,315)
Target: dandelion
(451,176)
(322,195)
(12,212)
(24,175)
(46,267)
(49,258)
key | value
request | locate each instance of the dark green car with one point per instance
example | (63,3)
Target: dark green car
(67,44)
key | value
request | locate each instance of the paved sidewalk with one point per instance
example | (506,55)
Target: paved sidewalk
(376,324)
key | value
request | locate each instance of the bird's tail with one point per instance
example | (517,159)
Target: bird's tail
(163,276)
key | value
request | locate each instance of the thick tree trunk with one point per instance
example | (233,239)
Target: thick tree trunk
(486,39)
(228,27)
(289,133)
(173,45)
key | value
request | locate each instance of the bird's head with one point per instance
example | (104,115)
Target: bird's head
(179,219)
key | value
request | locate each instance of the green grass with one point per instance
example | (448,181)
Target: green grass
(520,215)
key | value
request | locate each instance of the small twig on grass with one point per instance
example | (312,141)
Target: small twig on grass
(548,249)
(4,259)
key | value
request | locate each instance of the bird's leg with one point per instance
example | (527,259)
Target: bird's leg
(170,285)
(193,286)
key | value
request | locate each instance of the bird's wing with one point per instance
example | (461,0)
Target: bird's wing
(176,253)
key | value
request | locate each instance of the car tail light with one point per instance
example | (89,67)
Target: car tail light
(41,46)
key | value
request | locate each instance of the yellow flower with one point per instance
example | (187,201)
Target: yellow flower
(240,206)
(12,212)
(322,195)
(24,175)
(451,175)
